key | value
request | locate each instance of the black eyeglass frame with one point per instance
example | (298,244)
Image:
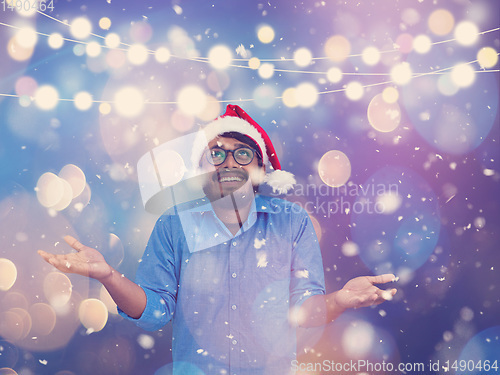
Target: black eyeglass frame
(226,153)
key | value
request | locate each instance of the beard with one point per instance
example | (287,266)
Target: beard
(229,188)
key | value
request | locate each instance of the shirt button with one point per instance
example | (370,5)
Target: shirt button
(233,275)
(234,342)
(233,307)
(234,243)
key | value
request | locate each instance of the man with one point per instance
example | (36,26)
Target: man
(237,272)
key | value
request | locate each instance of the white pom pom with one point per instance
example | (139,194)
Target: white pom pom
(280,181)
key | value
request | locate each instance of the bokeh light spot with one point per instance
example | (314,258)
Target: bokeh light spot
(75,177)
(26,86)
(383,116)
(334,75)
(265,33)
(370,56)
(7,371)
(46,97)
(350,249)
(116,59)
(334,168)
(26,37)
(446,86)
(220,57)
(254,63)
(358,339)
(162,54)
(337,48)
(79,50)
(404,43)
(49,189)
(11,325)
(266,70)
(114,252)
(410,16)
(57,288)
(105,23)
(141,32)
(302,57)
(137,54)
(104,108)
(80,28)
(289,97)
(354,91)
(24,101)
(466,33)
(487,57)
(44,319)
(65,198)
(482,348)
(93,314)
(112,40)
(390,95)
(441,22)
(8,274)
(422,44)
(306,95)
(401,73)
(192,100)
(55,41)
(17,52)
(388,202)
(83,100)
(212,109)
(146,342)
(463,75)
(93,49)
(129,101)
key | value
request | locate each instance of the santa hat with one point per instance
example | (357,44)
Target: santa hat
(237,120)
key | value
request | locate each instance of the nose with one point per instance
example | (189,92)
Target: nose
(230,162)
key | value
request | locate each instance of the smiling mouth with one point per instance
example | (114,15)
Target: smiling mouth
(230,179)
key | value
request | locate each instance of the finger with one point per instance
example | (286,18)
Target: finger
(46,256)
(74,243)
(382,279)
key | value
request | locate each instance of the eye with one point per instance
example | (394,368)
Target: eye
(244,153)
(216,153)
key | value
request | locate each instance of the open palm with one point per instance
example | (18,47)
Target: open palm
(361,291)
(86,261)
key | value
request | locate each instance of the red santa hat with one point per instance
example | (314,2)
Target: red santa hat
(237,120)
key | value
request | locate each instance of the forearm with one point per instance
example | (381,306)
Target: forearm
(319,310)
(127,295)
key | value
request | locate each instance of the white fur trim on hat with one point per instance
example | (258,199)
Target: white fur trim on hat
(281,181)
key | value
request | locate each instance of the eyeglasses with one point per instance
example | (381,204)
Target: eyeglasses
(242,155)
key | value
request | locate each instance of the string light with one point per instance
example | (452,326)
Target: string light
(138,55)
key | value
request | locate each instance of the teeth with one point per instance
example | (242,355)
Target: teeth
(228,179)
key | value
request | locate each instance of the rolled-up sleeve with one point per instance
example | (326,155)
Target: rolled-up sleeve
(158,277)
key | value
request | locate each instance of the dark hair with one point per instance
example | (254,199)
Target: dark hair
(246,140)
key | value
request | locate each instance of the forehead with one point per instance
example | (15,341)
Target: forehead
(227,143)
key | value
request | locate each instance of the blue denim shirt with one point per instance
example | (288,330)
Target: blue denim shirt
(230,296)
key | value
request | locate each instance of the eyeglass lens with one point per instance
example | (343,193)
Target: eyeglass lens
(242,155)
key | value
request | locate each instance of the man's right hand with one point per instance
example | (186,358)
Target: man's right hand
(86,261)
